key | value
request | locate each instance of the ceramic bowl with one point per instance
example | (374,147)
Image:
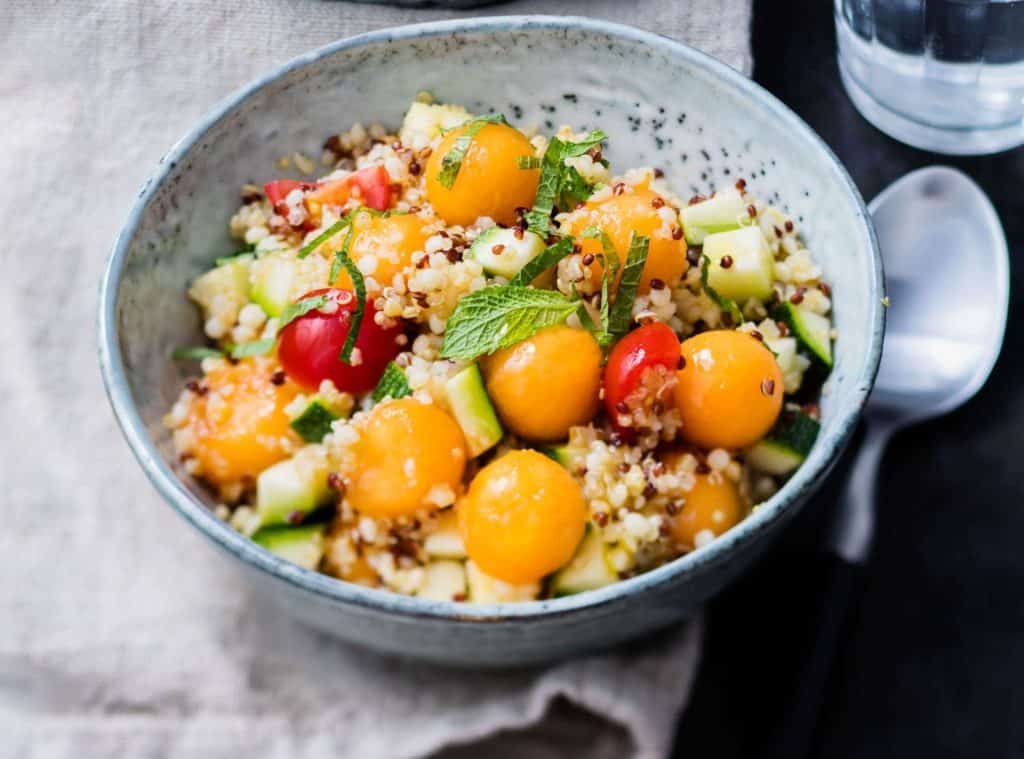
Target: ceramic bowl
(662,103)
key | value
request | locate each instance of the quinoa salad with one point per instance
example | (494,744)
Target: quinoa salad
(475,363)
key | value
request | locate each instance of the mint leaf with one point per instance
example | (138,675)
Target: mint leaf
(528,162)
(357,316)
(254,348)
(197,353)
(300,308)
(726,304)
(452,160)
(621,316)
(611,256)
(560,183)
(496,317)
(328,233)
(392,384)
(544,261)
(340,257)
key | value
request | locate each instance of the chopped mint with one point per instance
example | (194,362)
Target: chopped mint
(254,348)
(496,317)
(621,316)
(528,162)
(452,161)
(197,353)
(299,308)
(548,258)
(560,186)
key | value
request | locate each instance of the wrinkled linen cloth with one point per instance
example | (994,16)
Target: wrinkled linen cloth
(122,633)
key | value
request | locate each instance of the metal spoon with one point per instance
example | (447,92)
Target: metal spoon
(947,277)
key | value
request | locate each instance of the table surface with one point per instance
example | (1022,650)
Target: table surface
(934,658)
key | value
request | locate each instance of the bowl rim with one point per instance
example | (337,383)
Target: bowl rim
(174,491)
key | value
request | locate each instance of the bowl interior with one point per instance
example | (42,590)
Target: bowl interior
(661,103)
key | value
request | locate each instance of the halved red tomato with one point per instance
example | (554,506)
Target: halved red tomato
(310,346)
(650,348)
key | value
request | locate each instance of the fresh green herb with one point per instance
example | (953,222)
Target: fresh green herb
(544,261)
(560,185)
(452,161)
(499,316)
(300,308)
(528,162)
(254,348)
(611,256)
(196,353)
(621,316)
(340,256)
(605,306)
(357,316)
(392,384)
(328,233)
(726,304)
(240,253)
(314,422)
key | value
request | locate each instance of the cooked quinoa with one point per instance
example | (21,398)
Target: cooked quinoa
(306,455)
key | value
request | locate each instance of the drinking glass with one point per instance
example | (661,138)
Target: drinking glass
(942,75)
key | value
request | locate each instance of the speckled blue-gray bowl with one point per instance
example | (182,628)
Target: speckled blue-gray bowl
(662,103)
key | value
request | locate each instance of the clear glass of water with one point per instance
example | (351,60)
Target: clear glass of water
(942,75)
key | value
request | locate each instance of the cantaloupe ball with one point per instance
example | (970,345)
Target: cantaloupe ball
(239,426)
(405,452)
(522,518)
(729,389)
(546,384)
(489,182)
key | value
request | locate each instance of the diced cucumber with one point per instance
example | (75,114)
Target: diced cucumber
(589,569)
(502,254)
(443,581)
(560,454)
(723,211)
(273,279)
(472,409)
(484,589)
(812,331)
(300,545)
(751,270)
(446,541)
(295,485)
(790,362)
(315,420)
(226,287)
(786,445)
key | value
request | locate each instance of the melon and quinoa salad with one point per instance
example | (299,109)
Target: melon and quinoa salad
(471,363)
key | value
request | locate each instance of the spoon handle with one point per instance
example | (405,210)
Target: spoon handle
(838,574)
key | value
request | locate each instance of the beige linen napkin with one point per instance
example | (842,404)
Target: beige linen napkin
(122,634)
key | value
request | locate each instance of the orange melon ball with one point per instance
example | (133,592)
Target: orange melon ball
(522,518)
(711,508)
(489,181)
(389,240)
(239,425)
(405,450)
(547,383)
(638,211)
(729,389)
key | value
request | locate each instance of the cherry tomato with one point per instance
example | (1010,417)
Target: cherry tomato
(647,347)
(280,189)
(371,186)
(310,346)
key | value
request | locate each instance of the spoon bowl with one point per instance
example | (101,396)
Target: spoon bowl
(947,276)
(947,279)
